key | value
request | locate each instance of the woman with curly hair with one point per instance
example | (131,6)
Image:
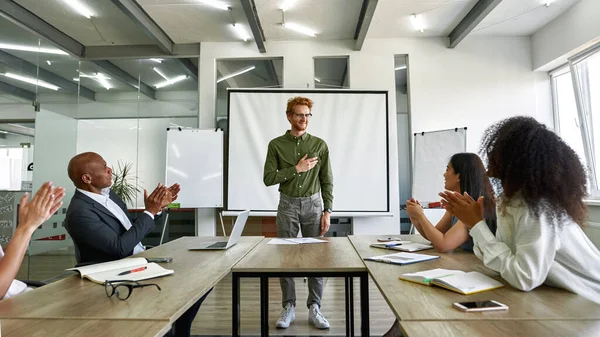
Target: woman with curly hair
(540,214)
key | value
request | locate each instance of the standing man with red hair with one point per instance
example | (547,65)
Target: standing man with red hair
(299,163)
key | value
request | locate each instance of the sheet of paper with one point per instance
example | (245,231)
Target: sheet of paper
(306,240)
(281,242)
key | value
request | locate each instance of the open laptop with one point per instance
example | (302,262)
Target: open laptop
(236,233)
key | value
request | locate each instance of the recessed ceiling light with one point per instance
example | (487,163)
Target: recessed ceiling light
(49,63)
(216,4)
(32,81)
(32,49)
(245,70)
(80,8)
(300,29)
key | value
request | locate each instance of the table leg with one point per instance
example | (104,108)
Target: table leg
(264,306)
(235,305)
(364,304)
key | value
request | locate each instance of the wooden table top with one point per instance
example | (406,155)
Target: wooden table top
(196,272)
(32,327)
(337,255)
(411,301)
(500,328)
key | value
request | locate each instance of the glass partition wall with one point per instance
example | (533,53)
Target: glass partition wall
(53,106)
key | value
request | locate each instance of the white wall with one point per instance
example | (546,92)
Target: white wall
(572,30)
(484,80)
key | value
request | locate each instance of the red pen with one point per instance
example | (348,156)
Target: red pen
(132,271)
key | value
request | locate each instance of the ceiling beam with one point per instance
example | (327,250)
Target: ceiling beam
(481,9)
(188,68)
(30,69)
(135,12)
(24,18)
(16,91)
(254,22)
(121,75)
(187,50)
(364,22)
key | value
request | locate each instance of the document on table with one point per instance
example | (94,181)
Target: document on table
(295,241)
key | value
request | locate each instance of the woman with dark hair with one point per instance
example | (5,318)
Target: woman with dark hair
(541,211)
(464,173)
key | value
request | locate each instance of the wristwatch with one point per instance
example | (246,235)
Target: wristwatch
(328,210)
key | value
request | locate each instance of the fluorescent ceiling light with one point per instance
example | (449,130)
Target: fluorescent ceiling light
(160,73)
(287,4)
(32,81)
(100,78)
(4,132)
(241,31)
(418,23)
(245,70)
(400,67)
(171,81)
(156,60)
(80,8)
(32,49)
(216,4)
(318,80)
(300,29)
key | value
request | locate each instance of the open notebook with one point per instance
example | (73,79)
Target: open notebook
(109,271)
(404,246)
(455,280)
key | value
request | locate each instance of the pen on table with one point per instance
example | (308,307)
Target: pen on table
(393,244)
(132,271)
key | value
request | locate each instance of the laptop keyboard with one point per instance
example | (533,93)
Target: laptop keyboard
(218,245)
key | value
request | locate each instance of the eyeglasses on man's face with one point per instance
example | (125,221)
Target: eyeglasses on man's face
(123,289)
(307,116)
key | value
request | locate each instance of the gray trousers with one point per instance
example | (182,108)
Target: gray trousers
(293,213)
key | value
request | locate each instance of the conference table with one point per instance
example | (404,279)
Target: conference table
(35,327)
(500,328)
(335,258)
(415,302)
(196,273)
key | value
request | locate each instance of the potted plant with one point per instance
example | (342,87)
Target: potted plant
(122,185)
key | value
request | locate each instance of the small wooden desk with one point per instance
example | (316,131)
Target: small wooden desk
(411,301)
(337,258)
(196,272)
(500,328)
(75,328)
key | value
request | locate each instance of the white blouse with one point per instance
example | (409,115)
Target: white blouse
(16,287)
(528,251)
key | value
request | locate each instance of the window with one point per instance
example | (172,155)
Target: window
(577,111)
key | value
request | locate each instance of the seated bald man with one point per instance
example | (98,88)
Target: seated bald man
(97,218)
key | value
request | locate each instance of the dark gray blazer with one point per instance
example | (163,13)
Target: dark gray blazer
(98,235)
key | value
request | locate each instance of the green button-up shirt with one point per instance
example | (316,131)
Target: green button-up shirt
(285,152)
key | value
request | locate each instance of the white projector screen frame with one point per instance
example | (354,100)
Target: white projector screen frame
(354,124)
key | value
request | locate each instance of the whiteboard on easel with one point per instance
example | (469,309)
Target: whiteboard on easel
(433,150)
(195,161)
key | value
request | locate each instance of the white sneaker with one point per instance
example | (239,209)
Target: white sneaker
(287,316)
(316,317)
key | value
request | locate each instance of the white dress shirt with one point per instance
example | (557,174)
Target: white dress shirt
(16,287)
(104,200)
(528,251)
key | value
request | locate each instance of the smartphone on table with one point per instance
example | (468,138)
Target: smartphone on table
(479,306)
